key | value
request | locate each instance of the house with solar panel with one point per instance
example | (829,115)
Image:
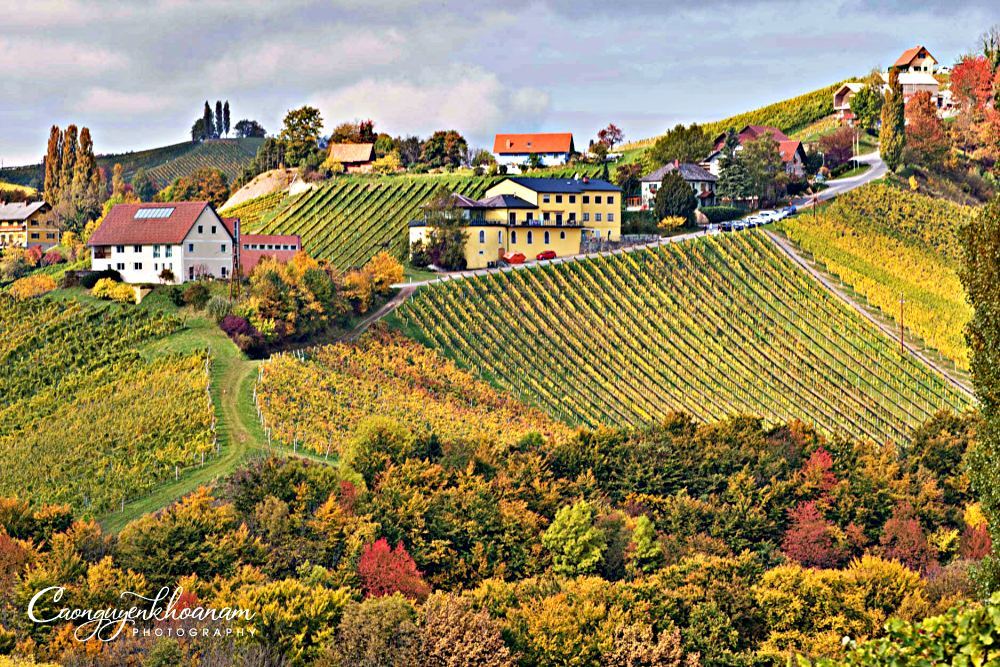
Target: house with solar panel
(533,217)
(148,243)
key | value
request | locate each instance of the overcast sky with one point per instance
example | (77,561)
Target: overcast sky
(138,73)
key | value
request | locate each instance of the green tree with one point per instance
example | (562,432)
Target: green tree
(300,134)
(892,138)
(225,118)
(444,148)
(980,274)
(68,164)
(446,242)
(204,184)
(675,198)
(576,544)
(249,128)
(734,182)
(207,123)
(762,161)
(687,144)
(867,102)
(218,119)
(143,185)
(645,554)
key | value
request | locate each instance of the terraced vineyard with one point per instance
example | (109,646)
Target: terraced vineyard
(349,219)
(253,211)
(84,419)
(712,327)
(227,155)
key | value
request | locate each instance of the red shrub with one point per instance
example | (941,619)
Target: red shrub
(903,539)
(976,543)
(52,257)
(384,571)
(810,540)
(818,472)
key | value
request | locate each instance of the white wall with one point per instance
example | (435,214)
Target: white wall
(123,259)
(548,159)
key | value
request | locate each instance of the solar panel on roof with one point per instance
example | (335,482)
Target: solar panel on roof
(153,213)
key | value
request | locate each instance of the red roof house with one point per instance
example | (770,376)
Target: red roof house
(551,147)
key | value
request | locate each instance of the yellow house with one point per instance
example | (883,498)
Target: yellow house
(22,225)
(532,216)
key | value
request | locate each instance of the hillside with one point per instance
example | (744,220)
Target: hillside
(251,212)
(163,164)
(84,419)
(713,327)
(348,219)
(885,243)
(789,115)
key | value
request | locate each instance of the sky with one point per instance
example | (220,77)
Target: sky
(138,73)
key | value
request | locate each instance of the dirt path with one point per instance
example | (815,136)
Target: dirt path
(392,304)
(891,332)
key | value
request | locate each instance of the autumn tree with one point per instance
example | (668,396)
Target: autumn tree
(892,138)
(972,83)
(53,166)
(444,148)
(70,147)
(384,571)
(810,539)
(838,146)
(627,177)
(445,246)
(203,184)
(903,539)
(610,136)
(645,554)
(300,134)
(117,181)
(452,632)
(376,632)
(980,274)
(576,544)
(764,168)
(926,140)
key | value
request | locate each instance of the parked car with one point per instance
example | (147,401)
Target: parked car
(546,254)
(752,221)
(789,210)
(727,227)
(768,216)
(712,228)
(739,225)
(516,258)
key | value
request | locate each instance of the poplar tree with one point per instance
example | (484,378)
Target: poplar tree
(209,124)
(69,150)
(117,181)
(218,119)
(892,138)
(225,117)
(53,165)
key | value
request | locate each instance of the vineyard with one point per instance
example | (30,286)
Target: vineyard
(886,243)
(317,399)
(163,163)
(254,211)
(229,156)
(84,420)
(349,219)
(712,327)
(789,115)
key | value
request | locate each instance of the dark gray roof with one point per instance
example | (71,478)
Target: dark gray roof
(564,185)
(688,171)
(20,210)
(506,201)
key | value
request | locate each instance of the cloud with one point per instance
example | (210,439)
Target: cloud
(104,101)
(468,99)
(46,59)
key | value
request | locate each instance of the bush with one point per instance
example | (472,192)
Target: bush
(722,213)
(196,295)
(32,286)
(639,222)
(52,257)
(87,279)
(106,288)
(246,337)
(218,307)
(176,295)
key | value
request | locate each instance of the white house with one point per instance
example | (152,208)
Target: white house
(701,181)
(513,150)
(139,241)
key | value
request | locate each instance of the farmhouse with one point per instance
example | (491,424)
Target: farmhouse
(917,59)
(22,225)
(700,180)
(913,82)
(792,154)
(356,158)
(187,239)
(842,100)
(513,150)
(532,215)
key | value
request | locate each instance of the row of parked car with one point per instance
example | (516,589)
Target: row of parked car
(756,220)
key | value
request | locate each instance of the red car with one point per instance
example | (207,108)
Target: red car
(516,258)
(546,254)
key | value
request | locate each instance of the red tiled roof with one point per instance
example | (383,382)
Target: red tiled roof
(230,225)
(121,227)
(750,133)
(788,148)
(552,142)
(909,55)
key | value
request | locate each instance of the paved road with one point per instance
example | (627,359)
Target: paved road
(835,187)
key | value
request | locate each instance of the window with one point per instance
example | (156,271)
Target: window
(246,246)
(597,199)
(558,199)
(597,217)
(611,217)
(500,237)
(201,229)
(572,218)
(223,247)
(120,266)
(190,247)
(137,248)
(190,273)
(586,199)
(558,218)
(513,237)
(224,271)
(512,218)
(530,238)
(482,236)
(572,199)
(611,199)
(169,251)
(529,217)
(34,235)
(562,235)
(137,266)
(586,217)
(213,229)
(546,238)
(546,216)
(156,251)
(156,267)
(50,235)
(545,199)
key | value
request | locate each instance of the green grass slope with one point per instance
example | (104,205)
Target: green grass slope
(712,327)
